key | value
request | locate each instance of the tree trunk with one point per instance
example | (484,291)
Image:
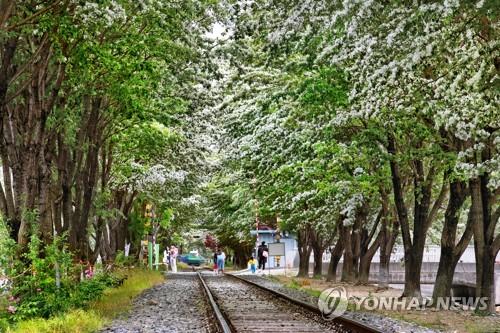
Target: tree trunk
(422,215)
(366,261)
(450,251)
(318,247)
(336,254)
(304,251)
(45,219)
(413,268)
(347,266)
(485,240)
(7,70)
(386,259)
(383,269)
(383,272)
(304,263)
(7,180)
(364,269)
(318,261)
(487,289)
(240,257)
(367,245)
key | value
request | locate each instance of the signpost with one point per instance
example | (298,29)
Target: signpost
(150,255)
(276,250)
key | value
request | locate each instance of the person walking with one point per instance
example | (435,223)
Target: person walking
(165,259)
(262,254)
(216,252)
(221,258)
(253,264)
(173,258)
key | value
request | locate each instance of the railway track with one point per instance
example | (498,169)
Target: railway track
(243,306)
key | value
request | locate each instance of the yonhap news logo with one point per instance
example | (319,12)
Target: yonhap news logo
(419,303)
(332,302)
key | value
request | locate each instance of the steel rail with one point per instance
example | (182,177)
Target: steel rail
(222,322)
(348,323)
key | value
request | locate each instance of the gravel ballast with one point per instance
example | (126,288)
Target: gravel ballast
(385,324)
(177,305)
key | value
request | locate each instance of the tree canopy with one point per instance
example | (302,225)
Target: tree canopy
(347,123)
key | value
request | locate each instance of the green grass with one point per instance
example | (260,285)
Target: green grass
(297,286)
(273,278)
(75,321)
(313,292)
(433,322)
(101,312)
(181,266)
(480,327)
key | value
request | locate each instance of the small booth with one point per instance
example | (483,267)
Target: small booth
(279,255)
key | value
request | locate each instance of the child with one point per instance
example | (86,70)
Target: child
(252,262)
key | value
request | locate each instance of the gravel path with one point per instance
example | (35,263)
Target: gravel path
(177,305)
(385,324)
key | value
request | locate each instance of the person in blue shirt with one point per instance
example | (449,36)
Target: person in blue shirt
(221,258)
(253,264)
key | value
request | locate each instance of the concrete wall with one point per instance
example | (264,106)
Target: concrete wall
(432,253)
(464,273)
(497,287)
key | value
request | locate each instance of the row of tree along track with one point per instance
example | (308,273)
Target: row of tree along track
(243,306)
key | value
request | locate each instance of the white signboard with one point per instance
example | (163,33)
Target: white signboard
(276,249)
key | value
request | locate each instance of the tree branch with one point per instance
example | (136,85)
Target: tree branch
(32,17)
(375,226)
(496,245)
(401,209)
(466,237)
(6,9)
(32,59)
(437,204)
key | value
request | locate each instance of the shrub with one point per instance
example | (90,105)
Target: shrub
(46,279)
(4,324)
(92,289)
(121,260)
(50,285)
(51,300)
(99,312)
(7,248)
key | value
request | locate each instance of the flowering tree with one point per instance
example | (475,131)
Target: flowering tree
(87,90)
(421,94)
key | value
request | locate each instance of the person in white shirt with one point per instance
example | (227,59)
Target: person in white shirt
(165,259)
(173,258)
